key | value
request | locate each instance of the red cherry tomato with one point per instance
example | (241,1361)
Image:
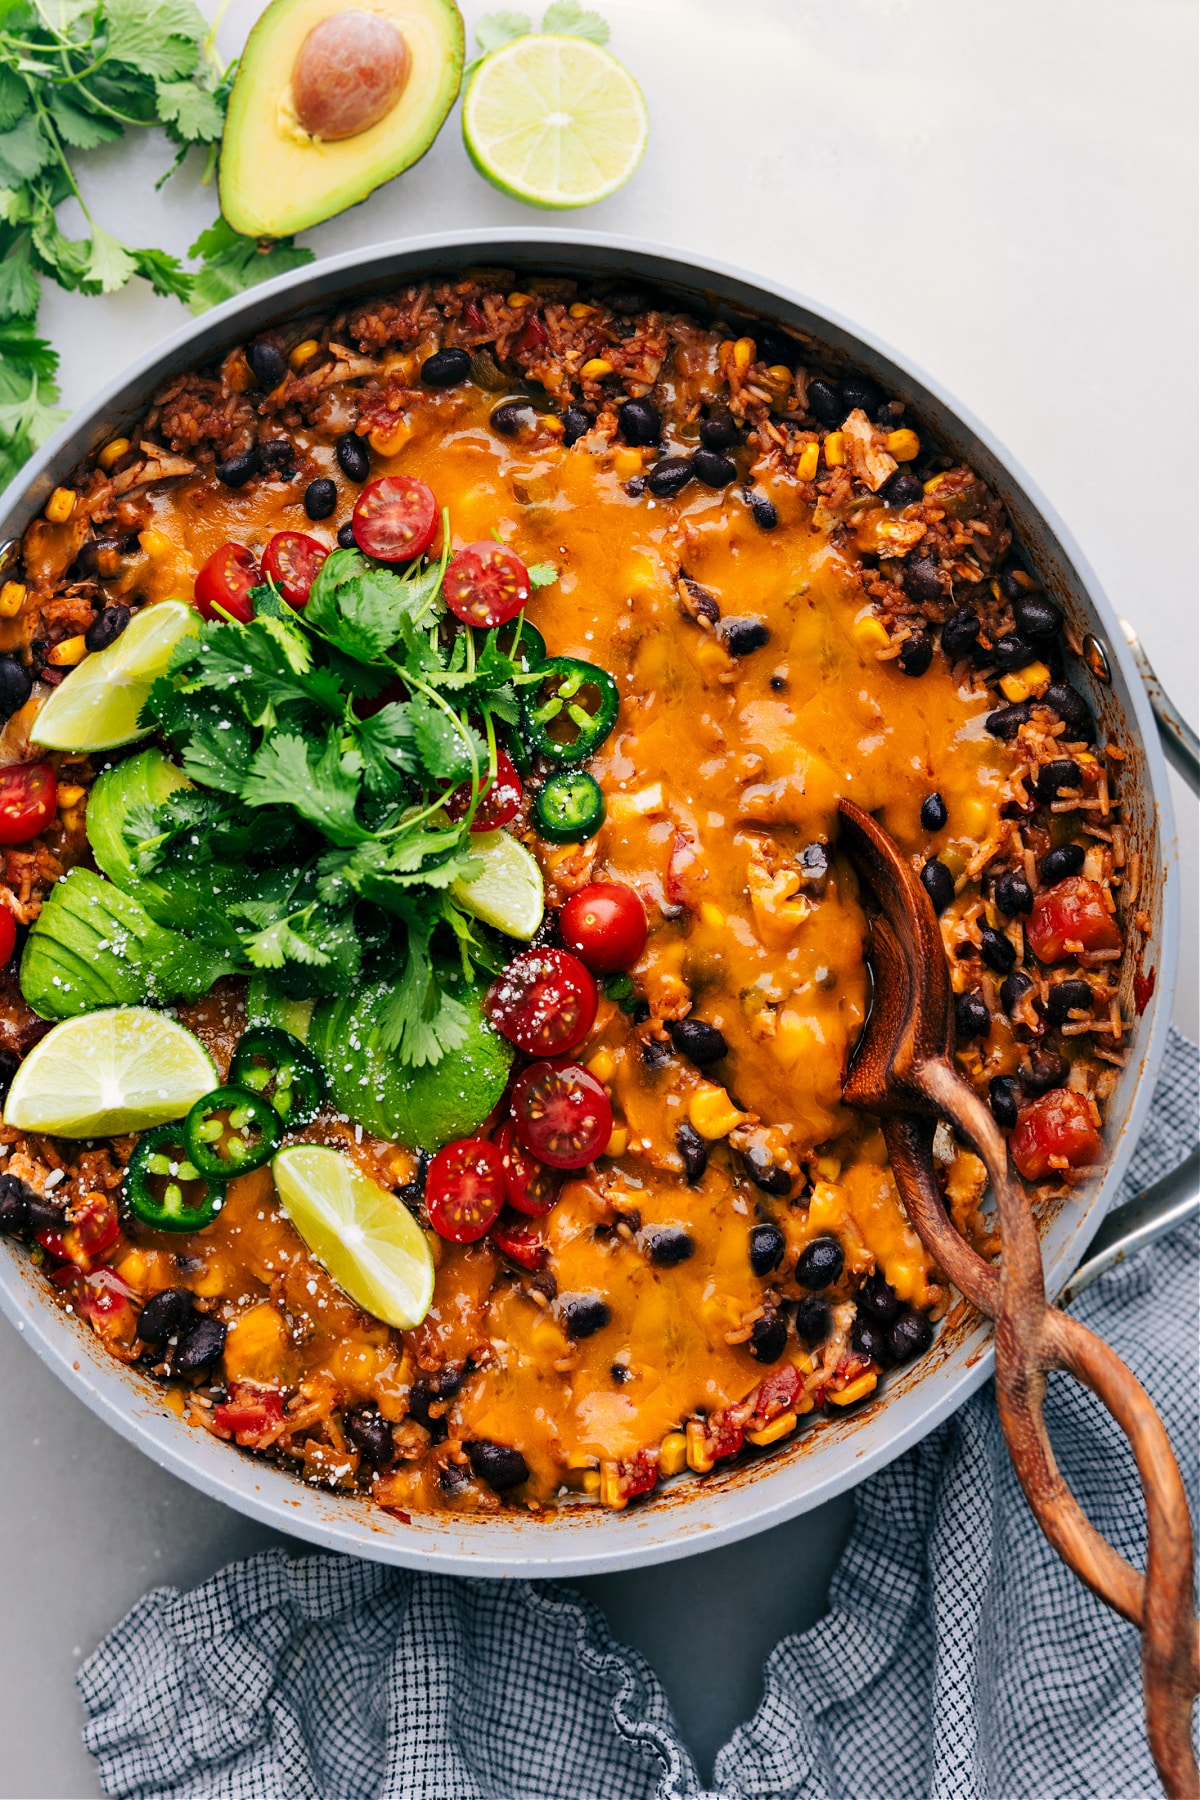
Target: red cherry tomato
(28,801)
(95,1229)
(520,1241)
(544,1002)
(252,1414)
(1059,1125)
(8,936)
(1072,913)
(103,1299)
(395,518)
(464,1190)
(293,561)
(605,925)
(225,582)
(561,1113)
(499,799)
(486,585)
(531,1187)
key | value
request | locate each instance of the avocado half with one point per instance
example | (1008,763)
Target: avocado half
(276,178)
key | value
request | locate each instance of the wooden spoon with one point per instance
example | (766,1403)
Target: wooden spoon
(903,1070)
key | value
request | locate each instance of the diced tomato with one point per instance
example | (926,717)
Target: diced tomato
(531,337)
(102,1298)
(499,799)
(605,925)
(1059,1124)
(545,1002)
(722,1437)
(28,802)
(486,585)
(8,936)
(473,317)
(292,560)
(520,1241)
(777,1392)
(682,875)
(464,1190)
(1071,914)
(1143,990)
(252,1414)
(532,1188)
(639,1474)
(395,518)
(561,1113)
(94,1229)
(225,581)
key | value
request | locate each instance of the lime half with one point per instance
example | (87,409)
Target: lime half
(123,1069)
(554,121)
(97,706)
(364,1236)
(507,892)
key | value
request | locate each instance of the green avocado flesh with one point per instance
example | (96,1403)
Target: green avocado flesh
(423,1108)
(275,178)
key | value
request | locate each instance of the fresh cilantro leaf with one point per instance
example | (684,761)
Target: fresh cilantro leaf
(542,575)
(568,19)
(24,151)
(265,666)
(388,750)
(20,343)
(109,265)
(444,744)
(286,940)
(165,273)
(363,609)
(160,38)
(19,291)
(499,28)
(419,1020)
(82,130)
(213,739)
(195,113)
(322,788)
(14,97)
(28,417)
(233,263)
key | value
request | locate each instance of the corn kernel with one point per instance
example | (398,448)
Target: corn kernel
(904,444)
(112,452)
(829,1167)
(933,484)
(870,634)
(743,354)
(1032,679)
(781,376)
(155,543)
(973,815)
(547,1339)
(627,463)
(591,1481)
(810,457)
(602,1065)
(835,450)
(618,1142)
(596,368)
(212,1280)
(60,505)
(698,1458)
(387,441)
(72,650)
(12,599)
(132,1268)
(516,298)
(610,1487)
(581,310)
(256,1343)
(672,1454)
(303,353)
(70,794)
(711,915)
(781,1427)
(713,1113)
(866,1384)
(581,1459)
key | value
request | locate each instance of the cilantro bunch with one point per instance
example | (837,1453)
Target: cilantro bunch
(565,18)
(323,745)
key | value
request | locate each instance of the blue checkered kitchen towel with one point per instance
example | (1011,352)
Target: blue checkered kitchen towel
(959,1659)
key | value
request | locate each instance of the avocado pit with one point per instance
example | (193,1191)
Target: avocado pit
(349,73)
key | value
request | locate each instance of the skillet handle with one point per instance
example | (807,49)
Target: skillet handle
(1179,741)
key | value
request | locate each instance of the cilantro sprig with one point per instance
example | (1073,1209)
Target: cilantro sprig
(565,18)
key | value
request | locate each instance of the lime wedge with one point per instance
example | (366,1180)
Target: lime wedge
(97,706)
(507,892)
(364,1236)
(554,121)
(123,1069)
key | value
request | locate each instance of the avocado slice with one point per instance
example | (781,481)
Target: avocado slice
(300,144)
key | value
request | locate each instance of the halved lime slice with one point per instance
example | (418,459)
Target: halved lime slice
(507,892)
(554,121)
(125,1068)
(364,1236)
(97,706)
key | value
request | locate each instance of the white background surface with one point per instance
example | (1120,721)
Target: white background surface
(1005,192)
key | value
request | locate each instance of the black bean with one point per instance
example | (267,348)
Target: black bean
(902,489)
(200,1347)
(14,1205)
(766,517)
(773,346)
(1006,721)
(699,1042)
(909,1335)
(421,1396)
(1058,864)
(450,1380)
(997,951)
(165,1314)
(99,558)
(667,1245)
(635,485)
(741,637)
(670,476)
(825,403)
(1063,773)
(938,883)
(499,1465)
(768,1337)
(1072,709)
(451,1479)
(770,1176)
(923,582)
(1046,1070)
(278,454)
(1013,990)
(1012,652)
(714,470)
(107,626)
(916,653)
(971,1016)
(867,1338)
(859,390)
(655,1052)
(46,1212)
(639,422)
(1003,1097)
(446,368)
(9,1064)
(320,497)
(933,812)
(370,1434)
(353,456)
(583,1315)
(960,633)
(720,433)
(1066,997)
(269,365)
(576,424)
(813,1319)
(1013,895)
(767,1245)
(814,865)
(1037,616)
(237,471)
(694,1150)
(346,537)
(620,1373)
(820,1263)
(877,1298)
(1012,582)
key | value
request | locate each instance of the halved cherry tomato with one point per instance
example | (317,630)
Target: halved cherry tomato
(520,1241)
(253,1414)
(292,560)
(531,1187)
(8,936)
(28,801)
(544,1002)
(499,799)
(103,1299)
(1071,913)
(486,585)
(605,925)
(464,1190)
(395,518)
(225,581)
(561,1113)
(1059,1124)
(94,1229)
